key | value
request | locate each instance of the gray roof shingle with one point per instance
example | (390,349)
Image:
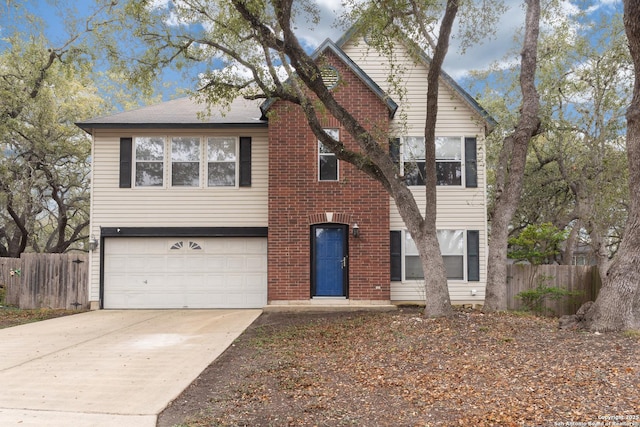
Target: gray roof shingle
(181,113)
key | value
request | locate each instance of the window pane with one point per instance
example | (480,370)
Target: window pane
(333,133)
(327,161)
(322,149)
(185,149)
(454,266)
(452,249)
(448,173)
(149,174)
(414,147)
(414,173)
(185,174)
(328,167)
(222,174)
(150,148)
(409,245)
(221,149)
(449,148)
(451,242)
(413,268)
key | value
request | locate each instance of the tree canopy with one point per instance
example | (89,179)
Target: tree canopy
(44,170)
(576,169)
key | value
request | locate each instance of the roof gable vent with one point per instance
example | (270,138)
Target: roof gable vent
(330,76)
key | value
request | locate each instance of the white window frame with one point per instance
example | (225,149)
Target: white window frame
(335,134)
(136,161)
(167,162)
(236,161)
(171,162)
(406,158)
(463,231)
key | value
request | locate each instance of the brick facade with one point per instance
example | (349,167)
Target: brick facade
(298,200)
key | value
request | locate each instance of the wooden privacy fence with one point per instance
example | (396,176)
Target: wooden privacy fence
(46,280)
(583,279)
(60,281)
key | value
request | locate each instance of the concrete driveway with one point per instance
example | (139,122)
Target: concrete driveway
(109,367)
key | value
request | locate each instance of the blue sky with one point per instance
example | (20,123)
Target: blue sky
(457,65)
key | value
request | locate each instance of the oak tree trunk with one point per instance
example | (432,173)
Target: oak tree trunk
(512,160)
(618,304)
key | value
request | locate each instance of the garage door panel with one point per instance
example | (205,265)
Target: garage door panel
(185,273)
(235,263)
(152,264)
(256,263)
(215,263)
(195,263)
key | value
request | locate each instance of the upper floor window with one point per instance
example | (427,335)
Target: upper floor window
(327,161)
(149,161)
(185,161)
(449,153)
(221,162)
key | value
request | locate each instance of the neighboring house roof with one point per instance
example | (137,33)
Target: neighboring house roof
(181,113)
(448,80)
(329,45)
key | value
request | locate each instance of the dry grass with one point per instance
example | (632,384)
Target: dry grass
(10,316)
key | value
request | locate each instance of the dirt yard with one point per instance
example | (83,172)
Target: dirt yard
(400,369)
(12,316)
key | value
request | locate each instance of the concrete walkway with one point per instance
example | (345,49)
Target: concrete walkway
(109,367)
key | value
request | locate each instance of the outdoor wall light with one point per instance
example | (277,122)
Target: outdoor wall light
(93,243)
(356,230)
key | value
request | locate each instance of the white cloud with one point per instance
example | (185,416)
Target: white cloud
(159,4)
(311,34)
(490,50)
(458,65)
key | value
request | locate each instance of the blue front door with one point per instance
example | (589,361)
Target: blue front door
(329,260)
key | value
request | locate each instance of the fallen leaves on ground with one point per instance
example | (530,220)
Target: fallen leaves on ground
(10,316)
(401,369)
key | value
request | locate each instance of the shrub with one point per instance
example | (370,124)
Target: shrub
(533,299)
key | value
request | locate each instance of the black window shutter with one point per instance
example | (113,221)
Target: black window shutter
(126,152)
(394,151)
(245,161)
(396,256)
(473,255)
(470,163)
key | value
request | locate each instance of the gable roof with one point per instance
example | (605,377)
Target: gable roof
(332,47)
(185,112)
(446,78)
(181,113)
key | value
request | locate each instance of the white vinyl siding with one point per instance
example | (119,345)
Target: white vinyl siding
(458,207)
(173,206)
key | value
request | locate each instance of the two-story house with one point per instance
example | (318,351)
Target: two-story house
(248,209)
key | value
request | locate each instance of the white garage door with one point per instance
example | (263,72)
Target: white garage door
(185,272)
